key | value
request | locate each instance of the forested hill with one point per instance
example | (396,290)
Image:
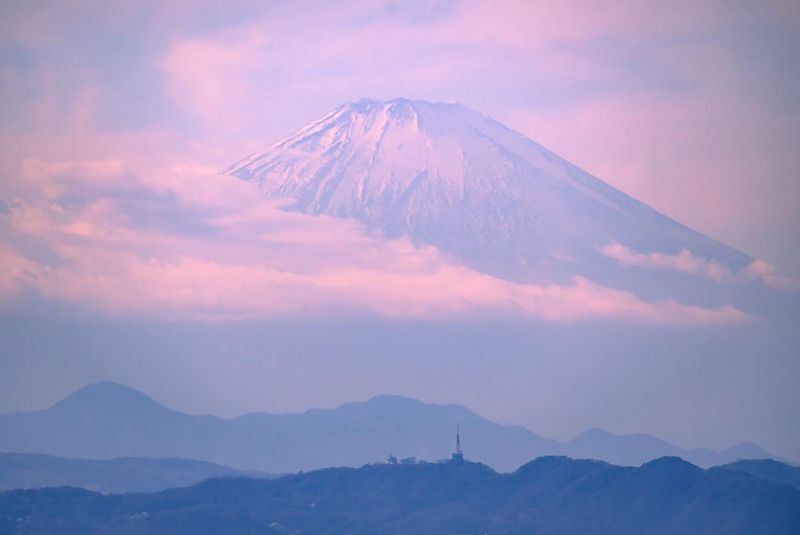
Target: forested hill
(547,495)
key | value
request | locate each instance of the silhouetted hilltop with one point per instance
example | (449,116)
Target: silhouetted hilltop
(108,420)
(548,495)
(107,396)
(768,469)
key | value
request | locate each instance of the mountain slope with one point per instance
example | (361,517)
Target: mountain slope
(106,421)
(548,495)
(639,448)
(130,474)
(768,469)
(445,175)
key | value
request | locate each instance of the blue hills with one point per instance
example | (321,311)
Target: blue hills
(108,420)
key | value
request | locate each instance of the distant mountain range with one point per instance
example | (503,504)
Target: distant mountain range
(552,495)
(108,420)
(129,474)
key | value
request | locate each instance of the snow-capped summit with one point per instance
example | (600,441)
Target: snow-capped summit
(446,175)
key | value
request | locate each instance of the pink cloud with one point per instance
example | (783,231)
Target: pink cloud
(239,256)
(15,272)
(200,289)
(240,76)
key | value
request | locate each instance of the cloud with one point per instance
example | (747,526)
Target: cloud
(766,273)
(688,263)
(185,243)
(684,262)
(15,273)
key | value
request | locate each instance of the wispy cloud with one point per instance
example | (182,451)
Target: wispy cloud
(686,262)
(767,274)
(186,243)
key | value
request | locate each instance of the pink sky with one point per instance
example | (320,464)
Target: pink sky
(690,108)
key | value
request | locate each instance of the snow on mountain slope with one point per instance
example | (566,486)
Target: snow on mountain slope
(445,175)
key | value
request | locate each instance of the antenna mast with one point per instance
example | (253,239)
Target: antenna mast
(458,455)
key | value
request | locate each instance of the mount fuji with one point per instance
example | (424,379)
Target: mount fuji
(442,174)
